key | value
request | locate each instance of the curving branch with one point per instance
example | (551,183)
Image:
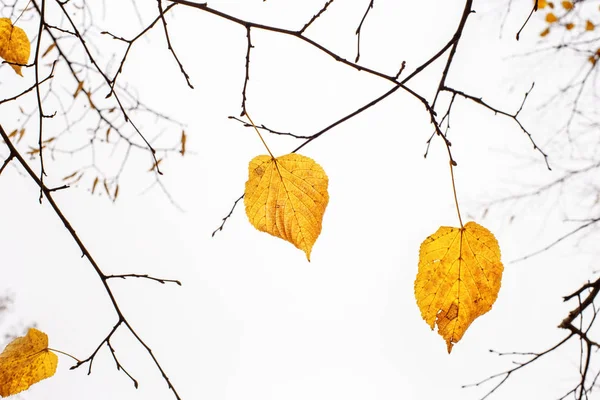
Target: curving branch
(121,318)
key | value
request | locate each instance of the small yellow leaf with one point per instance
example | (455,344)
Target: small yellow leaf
(567,5)
(25,361)
(458,278)
(589,26)
(545,32)
(14,44)
(570,26)
(551,18)
(286,197)
(541,4)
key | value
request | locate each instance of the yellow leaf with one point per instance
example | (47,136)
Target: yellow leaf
(589,26)
(570,26)
(458,279)
(286,197)
(14,44)
(545,32)
(551,18)
(25,361)
(541,4)
(567,5)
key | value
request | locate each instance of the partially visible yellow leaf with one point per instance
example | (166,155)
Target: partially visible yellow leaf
(567,5)
(589,25)
(25,361)
(551,18)
(541,4)
(14,44)
(286,197)
(458,279)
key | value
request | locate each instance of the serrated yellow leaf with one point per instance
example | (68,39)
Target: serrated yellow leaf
(286,197)
(14,44)
(25,361)
(458,279)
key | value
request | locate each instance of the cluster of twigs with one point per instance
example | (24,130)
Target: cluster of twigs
(112,110)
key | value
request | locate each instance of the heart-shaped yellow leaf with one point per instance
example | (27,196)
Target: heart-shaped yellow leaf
(286,197)
(14,44)
(458,279)
(25,361)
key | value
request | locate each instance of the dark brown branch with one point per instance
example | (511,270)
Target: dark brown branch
(455,40)
(359,30)
(103,278)
(220,228)
(41,115)
(514,116)
(6,162)
(144,276)
(247,77)
(534,9)
(106,79)
(171,49)
(263,127)
(314,18)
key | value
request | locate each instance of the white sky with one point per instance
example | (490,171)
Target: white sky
(253,319)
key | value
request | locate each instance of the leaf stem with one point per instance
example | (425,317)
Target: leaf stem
(455,196)
(66,354)
(260,136)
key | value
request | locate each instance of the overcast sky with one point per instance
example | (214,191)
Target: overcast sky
(254,319)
